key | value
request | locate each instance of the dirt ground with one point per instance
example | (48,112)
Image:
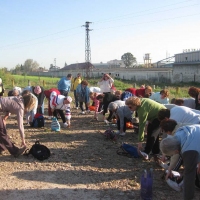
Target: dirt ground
(83,165)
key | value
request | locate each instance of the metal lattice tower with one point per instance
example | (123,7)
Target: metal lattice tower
(87,42)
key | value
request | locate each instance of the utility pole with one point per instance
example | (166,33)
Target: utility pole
(87,47)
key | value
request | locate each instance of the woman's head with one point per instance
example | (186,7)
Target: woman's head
(133,103)
(193,91)
(100,97)
(29,102)
(179,102)
(84,83)
(112,106)
(118,94)
(37,89)
(170,146)
(25,92)
(164,93)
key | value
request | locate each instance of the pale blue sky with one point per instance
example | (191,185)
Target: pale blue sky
(46,29)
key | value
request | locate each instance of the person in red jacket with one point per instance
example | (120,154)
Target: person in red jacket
(47,95)
(141,92)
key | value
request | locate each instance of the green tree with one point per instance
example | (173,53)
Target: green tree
(129,60)
(30,65)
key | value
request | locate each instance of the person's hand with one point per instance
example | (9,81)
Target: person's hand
(169,174)
(140,146)
(198,168)
(23,142)
(4,121)
(52,110)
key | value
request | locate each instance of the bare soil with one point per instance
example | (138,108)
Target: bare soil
(83,165)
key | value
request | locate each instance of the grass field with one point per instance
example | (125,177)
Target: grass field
(176,90)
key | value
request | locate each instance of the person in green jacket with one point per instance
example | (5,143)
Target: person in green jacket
(147,111)
(75,82)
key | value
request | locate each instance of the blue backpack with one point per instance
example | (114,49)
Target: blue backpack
(128,150)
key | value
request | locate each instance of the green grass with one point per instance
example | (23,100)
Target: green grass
(176,90)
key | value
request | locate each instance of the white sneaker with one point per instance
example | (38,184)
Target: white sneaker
(76,108)
(65,125)
(122,134)
(82,112)
(144,155)
(106,121)
(50,117)
(174,185)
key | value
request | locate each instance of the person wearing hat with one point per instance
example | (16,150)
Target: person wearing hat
(58,103)
(1,88)
(64,85)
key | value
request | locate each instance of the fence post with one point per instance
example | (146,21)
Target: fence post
(177,90)
(29,83)
(154,87)
(134,85)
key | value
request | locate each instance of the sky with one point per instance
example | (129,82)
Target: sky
(52,31)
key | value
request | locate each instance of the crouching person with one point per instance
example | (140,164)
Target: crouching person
(123,115)
(60,103)
(17,106)
(186,142)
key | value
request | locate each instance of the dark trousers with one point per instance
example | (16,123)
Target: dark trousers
(61,113)
(190,161)
(81,106)
(75,98)
(124,127)
(152,142)
(5,142)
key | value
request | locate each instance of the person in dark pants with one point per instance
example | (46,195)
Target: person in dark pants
(147,111)
(105,99)
(186,142)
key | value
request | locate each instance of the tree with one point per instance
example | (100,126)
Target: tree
(30,65)
(129,60)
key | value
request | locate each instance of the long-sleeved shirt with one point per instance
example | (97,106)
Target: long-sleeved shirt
(182,114)
(189,102)
(106,85)
(157,97)
(75,82)
(124,112)
(83,93)
(148,111)
(64,84)
(14,105)
(189,138)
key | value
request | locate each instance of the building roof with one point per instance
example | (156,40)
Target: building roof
(77,66)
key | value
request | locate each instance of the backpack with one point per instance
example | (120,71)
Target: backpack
(55,125)
(110,134)
(38,121)
(128,150)
(126,95)
(39,151)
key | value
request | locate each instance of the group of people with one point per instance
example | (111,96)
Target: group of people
(176,121)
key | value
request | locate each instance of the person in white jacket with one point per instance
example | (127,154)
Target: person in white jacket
(58,103)
(106,83)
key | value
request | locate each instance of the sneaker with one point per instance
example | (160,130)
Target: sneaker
(143,155)
(20,151)
(82,112)
(174,185)
(106,121)
(88,111)
(50,117)
(65,125)
(76,108)
(122,134)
